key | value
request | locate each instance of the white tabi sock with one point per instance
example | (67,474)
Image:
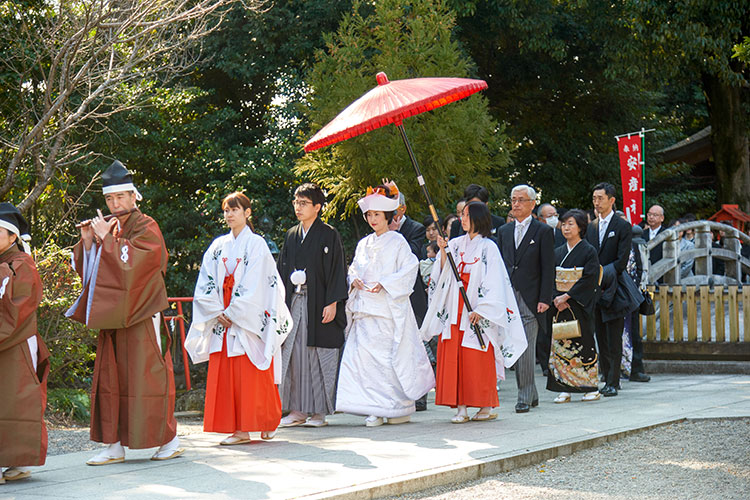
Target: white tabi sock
(167,449)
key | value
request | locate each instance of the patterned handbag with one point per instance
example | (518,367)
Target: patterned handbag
(562,330)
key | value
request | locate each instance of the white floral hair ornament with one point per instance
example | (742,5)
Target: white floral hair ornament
(377,200)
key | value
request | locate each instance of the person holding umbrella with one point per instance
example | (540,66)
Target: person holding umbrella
(467,370)
(384,368)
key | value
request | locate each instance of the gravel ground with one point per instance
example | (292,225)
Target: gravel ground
(72,439)
(696,460)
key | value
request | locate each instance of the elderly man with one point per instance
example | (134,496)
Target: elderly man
(122,262)
(527,248)
(654,226)
(547,213)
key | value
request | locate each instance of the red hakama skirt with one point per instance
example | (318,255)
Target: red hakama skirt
(239,396)
(465,376)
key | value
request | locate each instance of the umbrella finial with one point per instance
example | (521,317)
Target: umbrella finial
(382,78)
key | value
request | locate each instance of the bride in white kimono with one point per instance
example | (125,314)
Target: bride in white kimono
(384,368)
(240,320)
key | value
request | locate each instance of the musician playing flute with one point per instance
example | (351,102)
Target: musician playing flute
(122,262)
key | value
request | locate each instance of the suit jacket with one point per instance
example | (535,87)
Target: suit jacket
(414,233)
(656,253)
(559,238)
(531,266)
(616,245)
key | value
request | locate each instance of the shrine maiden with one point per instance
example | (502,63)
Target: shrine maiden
(467,374)
(240,320)
(384,368)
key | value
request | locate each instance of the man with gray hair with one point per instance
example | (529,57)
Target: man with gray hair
(527,247)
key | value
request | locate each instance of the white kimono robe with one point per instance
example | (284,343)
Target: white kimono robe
(490,295)
(260,318)
(384,367)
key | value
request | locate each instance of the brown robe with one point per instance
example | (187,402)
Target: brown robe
(23,390)
(133,393)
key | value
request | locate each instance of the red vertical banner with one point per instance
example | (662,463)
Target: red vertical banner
(631,165)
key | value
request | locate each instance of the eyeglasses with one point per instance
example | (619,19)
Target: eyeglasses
(519,200)
(301,203)
(652,214)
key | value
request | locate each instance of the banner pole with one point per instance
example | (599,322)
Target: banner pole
(643,171)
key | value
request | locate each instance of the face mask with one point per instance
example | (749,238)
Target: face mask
(552,221)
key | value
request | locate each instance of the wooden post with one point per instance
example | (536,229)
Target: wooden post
(678,323)
(705,314)
(719,313)
(746,312)
(664,314)
(692,312)
(732,269)
(670,251)
(734,324)
(651,320)
(703,241)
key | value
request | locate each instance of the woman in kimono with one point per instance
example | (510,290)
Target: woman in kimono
(240,320)
(467,374)
(23,355)
(384,368)
(573,362)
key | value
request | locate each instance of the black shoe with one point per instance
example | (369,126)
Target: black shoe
(639,377)
(608,391)
(522,408)
(421,407)
(545,373)
(535,403)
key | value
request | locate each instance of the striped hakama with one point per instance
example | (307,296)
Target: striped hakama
(309,377)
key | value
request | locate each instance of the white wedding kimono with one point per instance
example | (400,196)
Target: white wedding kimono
(490,295)
(260,318)
(384,367)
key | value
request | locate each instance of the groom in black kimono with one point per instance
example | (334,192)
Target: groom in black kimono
(312,266)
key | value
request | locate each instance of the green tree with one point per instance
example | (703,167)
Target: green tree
(455,144)
(547,65)
(688,41)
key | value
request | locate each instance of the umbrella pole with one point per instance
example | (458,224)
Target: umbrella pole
(434,214)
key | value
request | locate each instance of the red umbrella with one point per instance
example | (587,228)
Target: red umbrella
(389,103)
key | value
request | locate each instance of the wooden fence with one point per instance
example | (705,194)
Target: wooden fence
(698,322)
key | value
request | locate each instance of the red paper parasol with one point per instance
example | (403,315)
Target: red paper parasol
(389,103)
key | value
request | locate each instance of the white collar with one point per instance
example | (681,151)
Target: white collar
(524,222)
(245,230)
(401,222)
(606,219)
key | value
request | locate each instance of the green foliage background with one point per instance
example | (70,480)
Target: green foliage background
(564,78)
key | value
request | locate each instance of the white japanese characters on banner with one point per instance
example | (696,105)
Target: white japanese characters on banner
(631,172)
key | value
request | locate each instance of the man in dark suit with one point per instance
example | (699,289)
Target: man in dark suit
(654,226)
(414,233)
(547,214)
(475,192)
(527,249)
(612,237)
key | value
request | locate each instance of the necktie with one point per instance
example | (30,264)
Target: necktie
(519,234)
(602,230)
